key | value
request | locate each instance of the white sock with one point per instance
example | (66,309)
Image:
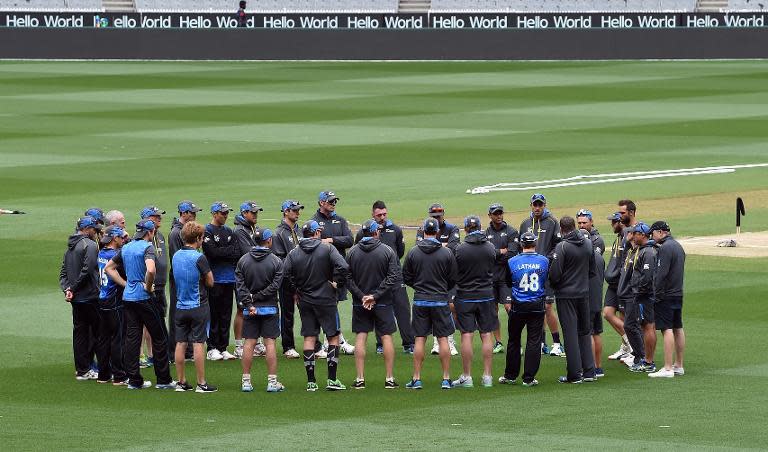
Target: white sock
(246,377)
(271,378)
(625,339)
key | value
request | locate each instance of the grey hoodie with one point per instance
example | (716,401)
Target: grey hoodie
(616,260)
(668,280)
(506,237)
(430,269)
(244,235)
(573,264)
(310,268)
(475,260)
(258,276)
(80,268)
(546,230)
(642,271)
(373,270)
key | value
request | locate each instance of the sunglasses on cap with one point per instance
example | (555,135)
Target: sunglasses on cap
(333,201)
(437,210)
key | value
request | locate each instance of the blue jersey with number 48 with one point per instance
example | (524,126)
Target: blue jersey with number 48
(529,273)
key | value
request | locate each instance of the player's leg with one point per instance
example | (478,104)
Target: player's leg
(389,356)
(584,330)
(566,307)
(227,301)
(360,340)
(238,329)
(649,332)
(133,338)
(157,331)
(465,314)
(534,327)
(149,358)
(554,329)
(214,335)
(488,342)
(487,322)
(385,325)
(419,345)
(597,341)
(329,320)
(679,335)
(198,354)
(403,315)
(310,328)
(632,318)
(107,329)
(287,316)
(181,348)
(445,357)
(514,331)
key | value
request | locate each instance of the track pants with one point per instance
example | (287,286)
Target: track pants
(137,316)
(533,322)
(220,300)
(576,326)
(632,329)
(85,327)
(111,342)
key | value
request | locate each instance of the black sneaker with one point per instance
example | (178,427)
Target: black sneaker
(390,384)
(205,388)
(359,384)
(184,387)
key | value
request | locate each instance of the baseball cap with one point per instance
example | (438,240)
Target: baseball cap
(111,232)
(584,213)
(431,226)
(528,238)
(250,206)
(641,228)
(150,211)
(143,227)
(660,225)
(495,207)
(96,213)
(616,216)
(188,206)
(88,222)
(310,227)
(291,204)
(327,196)
(262,235)
(436,210)
(370,227)
(472,222)
(220,206)
(538,197)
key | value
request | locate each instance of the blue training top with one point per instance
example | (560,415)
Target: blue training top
(529,273)
(107,287)
(132,257)
(189,266)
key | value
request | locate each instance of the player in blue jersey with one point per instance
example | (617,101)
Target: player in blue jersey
(109,349)
(527,273)
(191,276)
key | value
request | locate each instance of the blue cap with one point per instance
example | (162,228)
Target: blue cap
(615,217)
(143,227)
(472,223)
(310,227)
(262,235)
(111,232)
(188,206)
(150,211)
(327,196)
(250,206)
(370,227)
(291,204)
(88,222)
(584,213)
(538,197)
(220,206)
(431,226)
(96,213)
(641,228)
(495,207)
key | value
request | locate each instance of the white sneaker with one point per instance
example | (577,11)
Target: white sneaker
(239,352)
(214,355)
(325,346)
(678,371)
(435,348)
(463,382)
(452,346)
(662,373)
(628,360)
(90,375)
(556,350)
(226,356)
(245,385)
(487,381)
(275,386)
(259,350)
(622,352)
(347,348)
(322,354)
(292,354)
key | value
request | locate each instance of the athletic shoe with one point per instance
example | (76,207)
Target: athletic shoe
(531,383)
(639,367)
(259,350)
(662,373)
(358,384)
(239,352)
(322,354)
(334,385)
(292,354)
(628,360)
(463,382)
(408,349)
(150,361)
(120,382)
(144,362)
(414,384)
(379,350)
(589,379)
(205,388)
(506,381)
(390,384)
(599,372)
(679,371)
(324,347)
(226,356)
(171,385)
(311,386)
(622,352)
(104,381)
(650,367)
(498,348)
(556,350)
(435,348)
(347,348)
(89,375)
(145,385)
(544,349)
(487,381)
(446,384)
(452,346)
(214,355)
(184,387)
(275,386)
(246,386)
(566,380)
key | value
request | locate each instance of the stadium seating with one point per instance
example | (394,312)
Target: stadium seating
(255,6)
(51,5)
(564,5)
(747,5)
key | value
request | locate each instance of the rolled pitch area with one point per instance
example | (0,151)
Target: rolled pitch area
(748,245)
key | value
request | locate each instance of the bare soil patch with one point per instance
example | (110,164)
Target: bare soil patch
(748,245)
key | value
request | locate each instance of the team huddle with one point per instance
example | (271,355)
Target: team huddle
(116,285)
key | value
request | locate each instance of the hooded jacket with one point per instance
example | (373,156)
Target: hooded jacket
(80,269)
(643,269)
(596,282)
(573,264)
(244,235)
(616,260)
(258,276)
(391,235)
(285,239)
(448,234)
(310,268)
(475,264)
(373,270)
(597,241)
(624,289)
(220,247)
(546,230)
(670,268)
(336,227)
(161,261)
(175,242)
(505,237)
(430,269)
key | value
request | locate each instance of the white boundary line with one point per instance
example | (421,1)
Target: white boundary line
(590,179)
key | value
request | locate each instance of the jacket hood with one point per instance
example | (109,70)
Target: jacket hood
(369,244)
(429,246)
(544,214)
(259,253)
(476,238)
(240,221)
(176,224)
(309,245)
(74,239)
(322,215)
(574,237)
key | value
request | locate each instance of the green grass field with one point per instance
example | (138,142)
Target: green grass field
(124,135)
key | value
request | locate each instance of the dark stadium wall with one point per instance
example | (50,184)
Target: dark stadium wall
(266,44)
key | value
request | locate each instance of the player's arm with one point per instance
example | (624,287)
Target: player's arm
(663,266)
(454,239)
(63,280)
(271,290)
(453,272)
(408,273)
(351,285)
(111,270)
(399,243)
(340,267)
(90,260)
(556,266)
(149,276)
(244,297)
(389,282)
(344,240)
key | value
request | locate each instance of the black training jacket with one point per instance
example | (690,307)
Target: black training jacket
(475,263)
(244,235)
(311,267)
(546,230)
(506,237)
(373,270)
(175,242)
(285,239)
(430,269)
(643,269)
(448,234)
(615,261)
(258,276)
(80,268)
(335,227)
(391,235)
(572,265)
(670,269)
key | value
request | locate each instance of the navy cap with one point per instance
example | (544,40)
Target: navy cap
(291,204)
(660,226)
(370,227)
(431,226)
(327,196)
(472,223)
(220,206)
(538,197)
(615,217)
(188,206)
(436,210)
(310,227)
(641,228)
(250,206)
(151,211)
(96,213)
(495,207)
(528,238)
(262,235)
(88,222)
(584,213)
(111,232)
(143,227)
